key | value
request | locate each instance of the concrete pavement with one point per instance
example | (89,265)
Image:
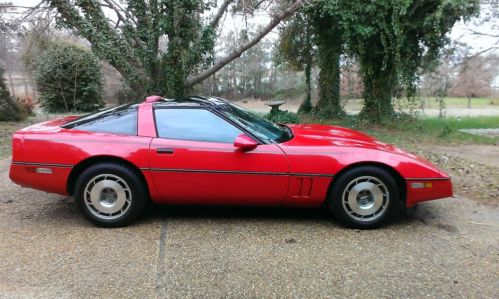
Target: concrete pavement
(448,248)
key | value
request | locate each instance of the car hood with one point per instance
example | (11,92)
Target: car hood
(317,137)
(324,135)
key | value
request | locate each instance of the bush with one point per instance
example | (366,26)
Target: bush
(27,105)
(9,109)
(283,117)
(69,78)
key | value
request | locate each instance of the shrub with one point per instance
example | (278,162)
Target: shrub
(27,105)
(69,78)
(9,109)
(283,117)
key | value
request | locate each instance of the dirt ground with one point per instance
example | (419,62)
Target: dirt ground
(474,168)
(446,249)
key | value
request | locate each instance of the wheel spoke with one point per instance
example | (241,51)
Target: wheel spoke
(108,196)
(365,198)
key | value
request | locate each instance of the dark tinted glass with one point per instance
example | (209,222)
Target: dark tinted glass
(194,124)
(119,120)
(253,123)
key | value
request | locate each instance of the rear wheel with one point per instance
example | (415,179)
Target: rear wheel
(363,197)
(110,194)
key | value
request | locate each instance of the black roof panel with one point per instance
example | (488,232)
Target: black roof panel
(195,101)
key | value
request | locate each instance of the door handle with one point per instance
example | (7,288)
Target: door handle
(167,151)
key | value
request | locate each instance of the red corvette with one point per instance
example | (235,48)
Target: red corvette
(207,151)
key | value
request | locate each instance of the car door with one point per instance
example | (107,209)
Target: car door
(194,161)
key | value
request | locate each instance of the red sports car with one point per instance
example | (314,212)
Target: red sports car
(208,151)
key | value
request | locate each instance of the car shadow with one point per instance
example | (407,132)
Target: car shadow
(235,212)
(163,212)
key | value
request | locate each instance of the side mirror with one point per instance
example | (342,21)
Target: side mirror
(245,143)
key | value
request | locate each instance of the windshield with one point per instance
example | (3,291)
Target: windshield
(257,125)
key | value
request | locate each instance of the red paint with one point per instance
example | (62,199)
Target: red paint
(212,178)
(245,143)
(152,99)
(294,173)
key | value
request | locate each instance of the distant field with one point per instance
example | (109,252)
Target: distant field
(424,106)
(461,102)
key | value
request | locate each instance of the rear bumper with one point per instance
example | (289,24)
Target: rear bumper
(424,189)
(46,177)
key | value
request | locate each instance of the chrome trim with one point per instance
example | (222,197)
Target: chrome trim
(42,164)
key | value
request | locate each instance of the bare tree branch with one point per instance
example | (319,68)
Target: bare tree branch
(220,13)
(475,32)
(485,51)
(237,53)
(124,20)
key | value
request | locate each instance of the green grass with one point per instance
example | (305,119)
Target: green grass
(423,130)
(437,130)
(431,103)
(460,102)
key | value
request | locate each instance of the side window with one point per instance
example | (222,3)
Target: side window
(194,124)
(122,120)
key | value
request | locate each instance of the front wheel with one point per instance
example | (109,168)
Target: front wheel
(110,194)
(363,197)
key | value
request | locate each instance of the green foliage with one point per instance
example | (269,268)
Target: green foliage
(392,39)
(283,117)
(69,78)
(133,47)
(306,105)
(296,45)
(329,41)
(9,109)
(313,36)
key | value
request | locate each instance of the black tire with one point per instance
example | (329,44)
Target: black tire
(354,182)
(114,174)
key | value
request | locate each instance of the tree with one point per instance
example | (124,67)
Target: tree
(486,26)
(313,36)
(329,42)
(9,109)
(68,77)
(392,39)
(7,44)
(475,77)
(296,47)
(159,46)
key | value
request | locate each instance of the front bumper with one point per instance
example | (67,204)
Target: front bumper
(424,189)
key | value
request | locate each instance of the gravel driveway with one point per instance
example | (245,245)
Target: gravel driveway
(448,248)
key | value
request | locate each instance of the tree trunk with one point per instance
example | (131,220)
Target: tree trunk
(469,102)
(378,89)
(306,106)
(329,44)
(26,90)
(9,74)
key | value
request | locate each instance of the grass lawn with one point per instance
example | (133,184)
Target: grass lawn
(459,102)
(423,130)
(430,103)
